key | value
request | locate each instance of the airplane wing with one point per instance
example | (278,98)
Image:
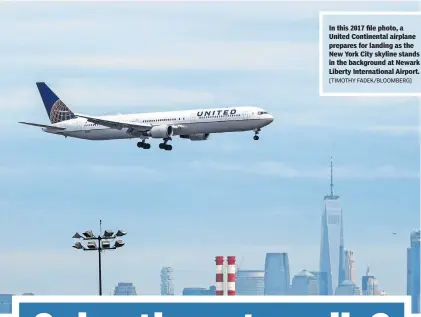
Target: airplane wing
(119,124)
(44,126)
(114,124)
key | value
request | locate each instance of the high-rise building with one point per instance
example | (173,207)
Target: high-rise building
(125,289)
(348,288)
(6,303)
(332,241)
(167,285)
(322,281)
(413,271)
(250,282)
(304,283)
(349,266)
(199,291)
(277,279)
(369,286)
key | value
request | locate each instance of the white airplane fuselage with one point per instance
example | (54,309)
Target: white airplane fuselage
(189,122)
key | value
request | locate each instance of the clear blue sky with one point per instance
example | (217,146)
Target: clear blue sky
(229,195)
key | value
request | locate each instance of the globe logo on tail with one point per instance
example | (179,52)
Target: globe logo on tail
(60,112)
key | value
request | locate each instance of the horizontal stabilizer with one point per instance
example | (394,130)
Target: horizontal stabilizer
(44,126)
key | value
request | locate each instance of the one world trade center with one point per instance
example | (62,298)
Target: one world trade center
(332,242)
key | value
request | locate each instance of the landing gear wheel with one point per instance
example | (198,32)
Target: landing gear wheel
(143,145)
(165,146)
(256,137)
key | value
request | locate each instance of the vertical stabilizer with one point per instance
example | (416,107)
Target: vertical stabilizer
(57,111)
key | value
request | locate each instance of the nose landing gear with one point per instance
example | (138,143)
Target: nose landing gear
(256,134)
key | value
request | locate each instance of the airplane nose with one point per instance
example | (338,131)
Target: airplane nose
(270,118)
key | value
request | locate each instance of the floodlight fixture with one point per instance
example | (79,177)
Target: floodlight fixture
(121,233)
(119,244)
(92,245)
(88,234)
(108,234)
(77,236)
(105,244)
(78,246)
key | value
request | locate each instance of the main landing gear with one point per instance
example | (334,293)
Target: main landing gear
(143,145)
(256,136)
(162,146)
(165,146)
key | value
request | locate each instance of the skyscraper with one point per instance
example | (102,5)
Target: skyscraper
(332,242)
(250,282)
(349,266)
(369,286)
(413,271)
(125,289)
(167,286)
(277,279)
(304,283)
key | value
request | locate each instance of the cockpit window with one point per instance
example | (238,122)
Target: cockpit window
(262,112)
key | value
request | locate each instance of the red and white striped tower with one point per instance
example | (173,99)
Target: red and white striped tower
(231,276)
(219,275)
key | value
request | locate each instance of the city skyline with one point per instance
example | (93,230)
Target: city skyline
(269,282)
(275,279)
(227,195)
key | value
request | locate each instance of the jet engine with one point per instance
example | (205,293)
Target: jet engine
(196,137)
(161,132)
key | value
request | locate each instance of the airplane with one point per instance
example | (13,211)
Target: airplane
(196,125)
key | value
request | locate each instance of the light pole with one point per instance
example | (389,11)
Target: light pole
(104,244)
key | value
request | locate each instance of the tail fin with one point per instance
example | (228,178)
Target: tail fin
(57,111)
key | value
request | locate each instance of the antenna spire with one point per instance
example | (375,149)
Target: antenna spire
(331,177)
